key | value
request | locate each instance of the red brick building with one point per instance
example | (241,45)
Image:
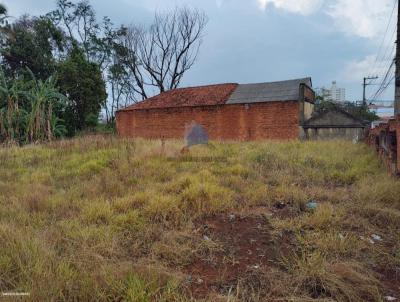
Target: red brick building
(227,111)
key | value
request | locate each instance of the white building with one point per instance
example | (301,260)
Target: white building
(334,94)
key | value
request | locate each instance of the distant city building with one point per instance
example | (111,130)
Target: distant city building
(334,94)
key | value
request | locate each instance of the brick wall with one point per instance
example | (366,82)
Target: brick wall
(275,120)
(309,94)
(381,139)
(395,127)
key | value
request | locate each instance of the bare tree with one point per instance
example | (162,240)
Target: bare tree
(158,57)
(135,61)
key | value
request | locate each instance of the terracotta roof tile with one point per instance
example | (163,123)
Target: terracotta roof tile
(188,97)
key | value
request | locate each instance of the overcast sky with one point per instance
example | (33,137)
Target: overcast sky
(267,40)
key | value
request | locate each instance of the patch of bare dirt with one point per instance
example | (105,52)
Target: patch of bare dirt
(390,279)
(244,251)
(285,212)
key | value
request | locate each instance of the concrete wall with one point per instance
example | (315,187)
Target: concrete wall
(353,134)
(334,118)
(307,100)
(308,110)
(334,124)
(274,120)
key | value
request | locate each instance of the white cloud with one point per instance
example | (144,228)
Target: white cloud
(364,18)
(355,71)
(303,7)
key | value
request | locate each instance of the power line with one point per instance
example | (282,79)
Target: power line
(391,46)
(386,32)
(384,78)
(387,56)
(388,62)
(387,79)
(388,70)
(384,37)
(386,86)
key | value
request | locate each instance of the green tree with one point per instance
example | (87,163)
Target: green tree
(30,43)
(362,112)
(83,83)
(96,37)
(82,29)
(3,14)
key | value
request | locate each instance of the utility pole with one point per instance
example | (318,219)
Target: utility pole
(397,60)
(365,84)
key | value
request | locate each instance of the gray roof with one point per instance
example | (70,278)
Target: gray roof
(268,92)
(335,118)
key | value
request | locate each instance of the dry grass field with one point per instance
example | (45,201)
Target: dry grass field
(103,219)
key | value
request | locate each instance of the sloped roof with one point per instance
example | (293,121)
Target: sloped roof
(221,94)
(188,97)
(335,118)
(268,92)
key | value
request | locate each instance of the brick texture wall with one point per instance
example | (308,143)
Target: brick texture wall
(275,120)
(395,127)
(380,139)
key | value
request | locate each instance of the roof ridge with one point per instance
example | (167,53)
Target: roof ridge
(201,86)
(281,81)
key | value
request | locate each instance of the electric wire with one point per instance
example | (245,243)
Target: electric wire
(383,40)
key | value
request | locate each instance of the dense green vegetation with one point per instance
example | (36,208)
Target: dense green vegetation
(97,66)
(82,82)
(30,110)
(102,219)
(49,87)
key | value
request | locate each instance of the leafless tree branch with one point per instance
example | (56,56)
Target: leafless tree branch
(159,56)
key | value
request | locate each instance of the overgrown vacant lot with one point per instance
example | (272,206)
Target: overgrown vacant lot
(101,219)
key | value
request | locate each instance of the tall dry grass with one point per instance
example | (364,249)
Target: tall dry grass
(104,219)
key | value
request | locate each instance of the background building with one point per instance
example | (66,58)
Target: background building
(334,94)
(335,124)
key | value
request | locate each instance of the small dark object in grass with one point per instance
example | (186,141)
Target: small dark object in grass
(280,205)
